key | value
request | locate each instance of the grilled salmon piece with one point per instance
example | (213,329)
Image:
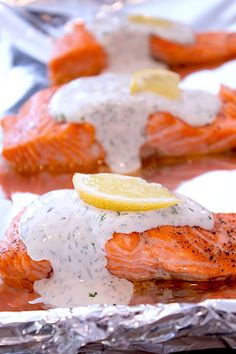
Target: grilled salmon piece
(76,54)
(34,141)
(16,268)
(168,252)
(209,48)
(170,136)
(165,252)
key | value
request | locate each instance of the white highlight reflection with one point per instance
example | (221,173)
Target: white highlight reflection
(214,190)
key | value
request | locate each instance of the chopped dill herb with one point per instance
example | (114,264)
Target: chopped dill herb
(118,212)
(49,209)
(174,211)
(191,209)
(93,294)
(61,117)
(103,217)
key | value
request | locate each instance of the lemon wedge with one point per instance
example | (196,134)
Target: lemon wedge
(122,193)
(149,20)
(160,81)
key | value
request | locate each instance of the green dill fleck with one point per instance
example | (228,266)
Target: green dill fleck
(118,212)
(103,217)
(82,119)
(93,294)
(61,117)
(174,211)
(191,209)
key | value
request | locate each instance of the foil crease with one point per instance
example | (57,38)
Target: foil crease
(94,329)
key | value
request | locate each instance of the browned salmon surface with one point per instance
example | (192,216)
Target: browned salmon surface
(168,252)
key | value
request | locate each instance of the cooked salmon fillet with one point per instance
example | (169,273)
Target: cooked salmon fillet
(34,141)
(16,268)
(168,252)
(209,48)
(170,136)
(13,299)
(165,252)
(75,54)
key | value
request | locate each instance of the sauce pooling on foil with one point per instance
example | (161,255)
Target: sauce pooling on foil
(120,118)
(61,228)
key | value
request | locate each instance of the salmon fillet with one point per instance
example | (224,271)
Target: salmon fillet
(16,268)
(209,48)
(76,54)
(33,140)
(165,252)
(168,252)
(170,136)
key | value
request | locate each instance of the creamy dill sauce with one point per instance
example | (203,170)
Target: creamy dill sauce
(127,43)
(61,228)
(120,118)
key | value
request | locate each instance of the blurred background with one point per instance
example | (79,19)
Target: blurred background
(27,28)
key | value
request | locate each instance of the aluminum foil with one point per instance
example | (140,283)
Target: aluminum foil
(156,328)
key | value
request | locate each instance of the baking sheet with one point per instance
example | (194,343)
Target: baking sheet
(176,318)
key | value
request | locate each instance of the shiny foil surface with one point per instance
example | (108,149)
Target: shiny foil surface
(171,321)
(152,328)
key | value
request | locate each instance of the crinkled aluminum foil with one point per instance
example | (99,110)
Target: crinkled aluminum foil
(155,329)
(160,328)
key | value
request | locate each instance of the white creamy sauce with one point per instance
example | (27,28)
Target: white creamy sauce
(61,228)
(120,118)
(127,43)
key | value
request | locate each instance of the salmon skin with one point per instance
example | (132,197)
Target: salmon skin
(165,252)
(209,48)
(76,54)
(33,140)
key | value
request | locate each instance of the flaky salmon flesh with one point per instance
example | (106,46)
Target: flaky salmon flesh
(33,140)
(208,48)
(165,252)
(78,53)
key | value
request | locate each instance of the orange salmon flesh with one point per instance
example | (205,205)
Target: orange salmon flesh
(165,252)
(33,140)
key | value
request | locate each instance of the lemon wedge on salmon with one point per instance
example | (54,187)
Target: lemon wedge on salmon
(159,81)
(122,193)
(149,20)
